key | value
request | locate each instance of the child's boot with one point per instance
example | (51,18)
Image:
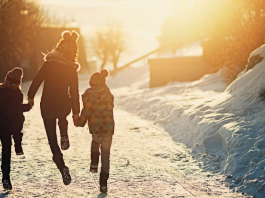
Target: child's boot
(103,180)
(58,159)
(6,177)
(94,162)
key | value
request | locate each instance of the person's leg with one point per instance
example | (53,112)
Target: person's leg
(63,126)
(106,140)
(94,153)
(18,143)
(50,127)
(95,143)
(6,160)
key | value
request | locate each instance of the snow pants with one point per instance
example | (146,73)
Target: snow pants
(102,142)
(6,155)
(16,130)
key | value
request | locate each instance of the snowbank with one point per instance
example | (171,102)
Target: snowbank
(225,127)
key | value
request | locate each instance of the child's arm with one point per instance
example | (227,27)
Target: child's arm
(87,111)
(15,104)
(25,107)
(86,95)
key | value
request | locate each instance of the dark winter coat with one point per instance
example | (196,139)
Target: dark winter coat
(98,110)
(60,92)
(11,110)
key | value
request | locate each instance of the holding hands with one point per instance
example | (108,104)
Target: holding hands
(75,116)
(31,102)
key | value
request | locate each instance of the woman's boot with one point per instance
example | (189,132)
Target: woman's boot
(63,126)
(58,159)
(6,177)
(103,180)
(94,162)
(65,144)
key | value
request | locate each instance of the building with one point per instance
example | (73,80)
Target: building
(184,64)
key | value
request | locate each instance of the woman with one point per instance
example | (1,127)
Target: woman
(59,73)
(11,119)
(98,104)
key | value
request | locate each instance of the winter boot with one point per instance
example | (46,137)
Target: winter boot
(18,143)
(6,177)
(58,159)
(63,126)
(65,144)
(7,184)
(103,179)
(94,162)
(66,175)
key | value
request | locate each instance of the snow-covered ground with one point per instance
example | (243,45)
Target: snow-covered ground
(145,162)
(224,126)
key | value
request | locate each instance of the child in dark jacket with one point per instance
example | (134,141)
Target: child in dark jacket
(11,119)
(98,104)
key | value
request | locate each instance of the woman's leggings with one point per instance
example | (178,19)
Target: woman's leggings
(50,127)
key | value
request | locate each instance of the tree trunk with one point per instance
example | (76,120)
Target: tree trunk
(103,63)
(115,60)
(115,65)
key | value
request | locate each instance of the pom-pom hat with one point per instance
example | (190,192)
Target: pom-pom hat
(14,76)
(68,44)
(99,78)
(66,50)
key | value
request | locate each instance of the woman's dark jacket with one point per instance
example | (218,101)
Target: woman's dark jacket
(11,110)
(60,92)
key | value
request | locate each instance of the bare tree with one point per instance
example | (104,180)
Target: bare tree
(109,43)
(100,46)
(20,23)
(117,43)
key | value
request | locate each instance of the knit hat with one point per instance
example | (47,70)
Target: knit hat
(99,78)
(14,76)
(68,45)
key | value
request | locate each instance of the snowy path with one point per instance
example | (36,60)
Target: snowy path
(145,162)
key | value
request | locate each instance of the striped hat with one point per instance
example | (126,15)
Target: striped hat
(14,76)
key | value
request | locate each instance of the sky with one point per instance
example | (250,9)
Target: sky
(141,19)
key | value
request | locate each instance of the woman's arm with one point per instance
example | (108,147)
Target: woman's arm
(74,93)
(38,79)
